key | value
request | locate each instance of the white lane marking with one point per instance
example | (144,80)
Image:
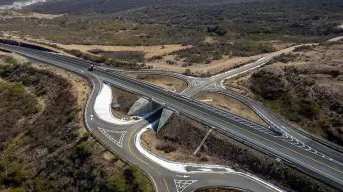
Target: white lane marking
(184,176)
(292,140)
(183,184)
(117,142)
(102,107)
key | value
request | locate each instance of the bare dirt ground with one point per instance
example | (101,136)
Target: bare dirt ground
(216,66)
(149,50)
(213,68)
(167,82)
(229,104)
(239,84)
(158,50)
(125,100)
(337,38)
(178,140)
(279,45)
(173,147)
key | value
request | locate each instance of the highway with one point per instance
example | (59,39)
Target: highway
(214,84)
(253,134)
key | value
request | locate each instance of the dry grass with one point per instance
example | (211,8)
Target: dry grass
(150,142)
(125,100)
(170,83)
(232,105)
(149,50)
(26,39)
(213,68)
(216,66)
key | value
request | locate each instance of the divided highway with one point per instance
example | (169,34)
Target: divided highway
(326,168)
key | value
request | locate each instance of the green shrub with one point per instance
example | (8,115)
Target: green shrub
(16,89)
(116,184)
(18,189)
(83,149)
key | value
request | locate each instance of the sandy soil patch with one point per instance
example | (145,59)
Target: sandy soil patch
(279,45)
(230,104)
(170,83)
(239,83)
(109,156)
(336,38)
(149,50)
(209,40)
(213,68)
(9,14)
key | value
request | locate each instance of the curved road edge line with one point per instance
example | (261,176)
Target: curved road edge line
(163,162)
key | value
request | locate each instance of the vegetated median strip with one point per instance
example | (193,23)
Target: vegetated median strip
(181,167)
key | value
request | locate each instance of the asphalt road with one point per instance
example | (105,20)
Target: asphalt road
(330,171)
(214,84)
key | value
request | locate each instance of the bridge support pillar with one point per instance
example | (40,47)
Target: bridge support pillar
(166,114)
(141,106)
